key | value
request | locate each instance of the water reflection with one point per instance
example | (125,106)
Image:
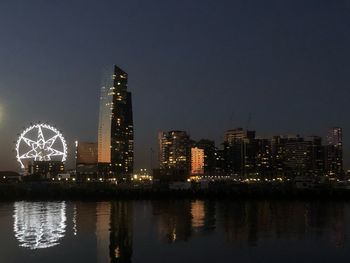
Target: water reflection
(39,224)
(121,236)
(119,231)
(253,221)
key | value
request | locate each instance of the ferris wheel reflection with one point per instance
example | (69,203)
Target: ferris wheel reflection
(40,224)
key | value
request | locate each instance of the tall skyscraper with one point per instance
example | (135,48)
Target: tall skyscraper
(334,149)
(115,131)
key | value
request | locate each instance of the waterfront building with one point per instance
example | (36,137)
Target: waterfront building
(115,131)
(86,152)
(46,169)
(220,162)
(209,155)
(264,158)
(334,152)
(86,156)
(197,161)
(174,150)
(302,156)
(240,151)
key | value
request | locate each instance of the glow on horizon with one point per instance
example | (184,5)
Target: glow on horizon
(2,112)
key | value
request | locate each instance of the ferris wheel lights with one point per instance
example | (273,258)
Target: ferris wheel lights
(41,149)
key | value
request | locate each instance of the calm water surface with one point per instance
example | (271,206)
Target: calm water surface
(175,231)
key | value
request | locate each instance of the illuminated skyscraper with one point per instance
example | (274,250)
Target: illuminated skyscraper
(115,131)
(334,159)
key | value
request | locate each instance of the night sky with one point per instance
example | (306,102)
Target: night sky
(203,66)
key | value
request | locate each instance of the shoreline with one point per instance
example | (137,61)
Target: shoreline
(47,191)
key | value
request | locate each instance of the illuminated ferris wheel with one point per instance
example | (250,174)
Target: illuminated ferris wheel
(41,142)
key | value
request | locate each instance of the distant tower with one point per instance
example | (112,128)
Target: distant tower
(334,155)
(116,131)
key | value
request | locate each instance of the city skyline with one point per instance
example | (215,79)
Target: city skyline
(286,75)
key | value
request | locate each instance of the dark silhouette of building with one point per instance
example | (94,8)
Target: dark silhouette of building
(240,151)
(264,157)
(116,132)
(46,169)
(209,155)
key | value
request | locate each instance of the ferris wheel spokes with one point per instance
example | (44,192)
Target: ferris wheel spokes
(41,149)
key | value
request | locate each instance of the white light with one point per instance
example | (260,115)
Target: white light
(39,224)
(41,149)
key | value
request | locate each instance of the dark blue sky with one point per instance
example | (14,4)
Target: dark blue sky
(201,65)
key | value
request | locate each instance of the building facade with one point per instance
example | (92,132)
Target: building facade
(86,156)
(174,151)
(240,152)
(197,161)
(334,152)
(115,131)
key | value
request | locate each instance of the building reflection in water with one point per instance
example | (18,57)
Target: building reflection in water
(173,219)
(179,220)
(121,231)
(39,224)
(252,221)
(108,227)
(103,216)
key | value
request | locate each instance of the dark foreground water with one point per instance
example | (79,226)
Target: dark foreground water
(175,231)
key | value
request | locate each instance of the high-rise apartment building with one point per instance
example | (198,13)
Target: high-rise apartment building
(240,151)
(334,151)
(197,161)
(174,151)
(115,131)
